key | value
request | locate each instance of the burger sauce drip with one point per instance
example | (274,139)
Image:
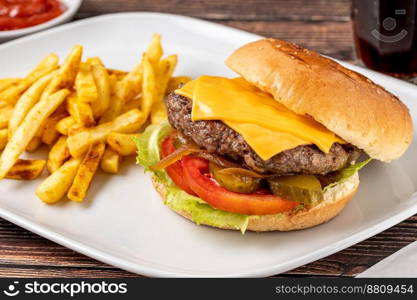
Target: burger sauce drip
(17,14)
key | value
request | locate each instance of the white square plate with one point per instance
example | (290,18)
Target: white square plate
(124,223)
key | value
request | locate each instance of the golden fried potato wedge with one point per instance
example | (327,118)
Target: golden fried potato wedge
(122,143)
(3,138)
(26,169)
(159,113)
(57,155)
(28,129)
(134,103)
(66,74)
(124,91)
(79,188)
(54,188)
(80,111)
(127,123)
(34,144)
(45,66)
(102,81)
(5,115)
(13,92)
(64,125)
(27,101)
(85,84)
(155,50)
(7,82)
(118,74)
(110,162)
(165,70)
(50,134)
(149,92)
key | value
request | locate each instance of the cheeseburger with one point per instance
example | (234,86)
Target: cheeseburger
(278,147)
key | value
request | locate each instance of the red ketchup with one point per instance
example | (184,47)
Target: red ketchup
(17,14)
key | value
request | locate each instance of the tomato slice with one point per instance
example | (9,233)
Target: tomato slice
(175,170)
(196,173)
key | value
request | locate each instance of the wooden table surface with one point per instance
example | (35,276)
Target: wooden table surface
(322,25)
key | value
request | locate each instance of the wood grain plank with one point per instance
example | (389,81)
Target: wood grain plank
(38,272)
(330,38)
(248,10)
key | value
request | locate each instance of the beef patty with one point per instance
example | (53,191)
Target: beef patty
(217,137)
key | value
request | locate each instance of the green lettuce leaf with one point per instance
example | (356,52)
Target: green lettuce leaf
(148,154)
(347,172)
(148,144)
(201,212)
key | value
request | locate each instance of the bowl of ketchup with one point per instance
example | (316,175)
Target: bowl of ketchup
(22,17)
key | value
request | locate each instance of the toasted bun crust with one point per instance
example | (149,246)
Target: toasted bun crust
(347,103)
(335,200)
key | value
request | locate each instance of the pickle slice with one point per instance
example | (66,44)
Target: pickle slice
(301,188)
(234,183)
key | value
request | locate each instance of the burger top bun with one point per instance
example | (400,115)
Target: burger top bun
(347,103)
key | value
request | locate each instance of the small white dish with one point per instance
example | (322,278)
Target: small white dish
(70,6)
(123,222)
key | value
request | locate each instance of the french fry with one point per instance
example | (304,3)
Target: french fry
(122,143)
(48,64)
(127,123)
(12,93)
(155,50)
(5,115)
(34,144)
(131,84)
(113,79)
(25,169)
(66,73)
(118,74)
(78,190)
(134,103)
(159,113)
(175,82)
(102,81)
(80,111)
(57,155)
(64,125)
(54,188)
(27,101)
(148,87)
(3,138)
(28,129)
(50,134)
(75,129)
(124,91)
(165,69)
(85,84)
(110,162)
(6,82)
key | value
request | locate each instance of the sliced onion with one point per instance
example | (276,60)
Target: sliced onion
(175,156)
(242,172)
(217,159)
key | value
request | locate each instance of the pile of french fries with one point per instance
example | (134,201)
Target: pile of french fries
(86,115)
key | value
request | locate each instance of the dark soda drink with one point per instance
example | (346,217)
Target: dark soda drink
(385,35)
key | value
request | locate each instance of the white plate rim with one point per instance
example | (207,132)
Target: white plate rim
(100,255)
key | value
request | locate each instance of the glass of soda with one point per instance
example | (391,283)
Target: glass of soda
(385,33)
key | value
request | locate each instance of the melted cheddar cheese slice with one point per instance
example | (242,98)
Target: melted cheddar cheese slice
(266,125)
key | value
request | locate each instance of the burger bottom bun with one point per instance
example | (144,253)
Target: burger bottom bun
(335,199)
